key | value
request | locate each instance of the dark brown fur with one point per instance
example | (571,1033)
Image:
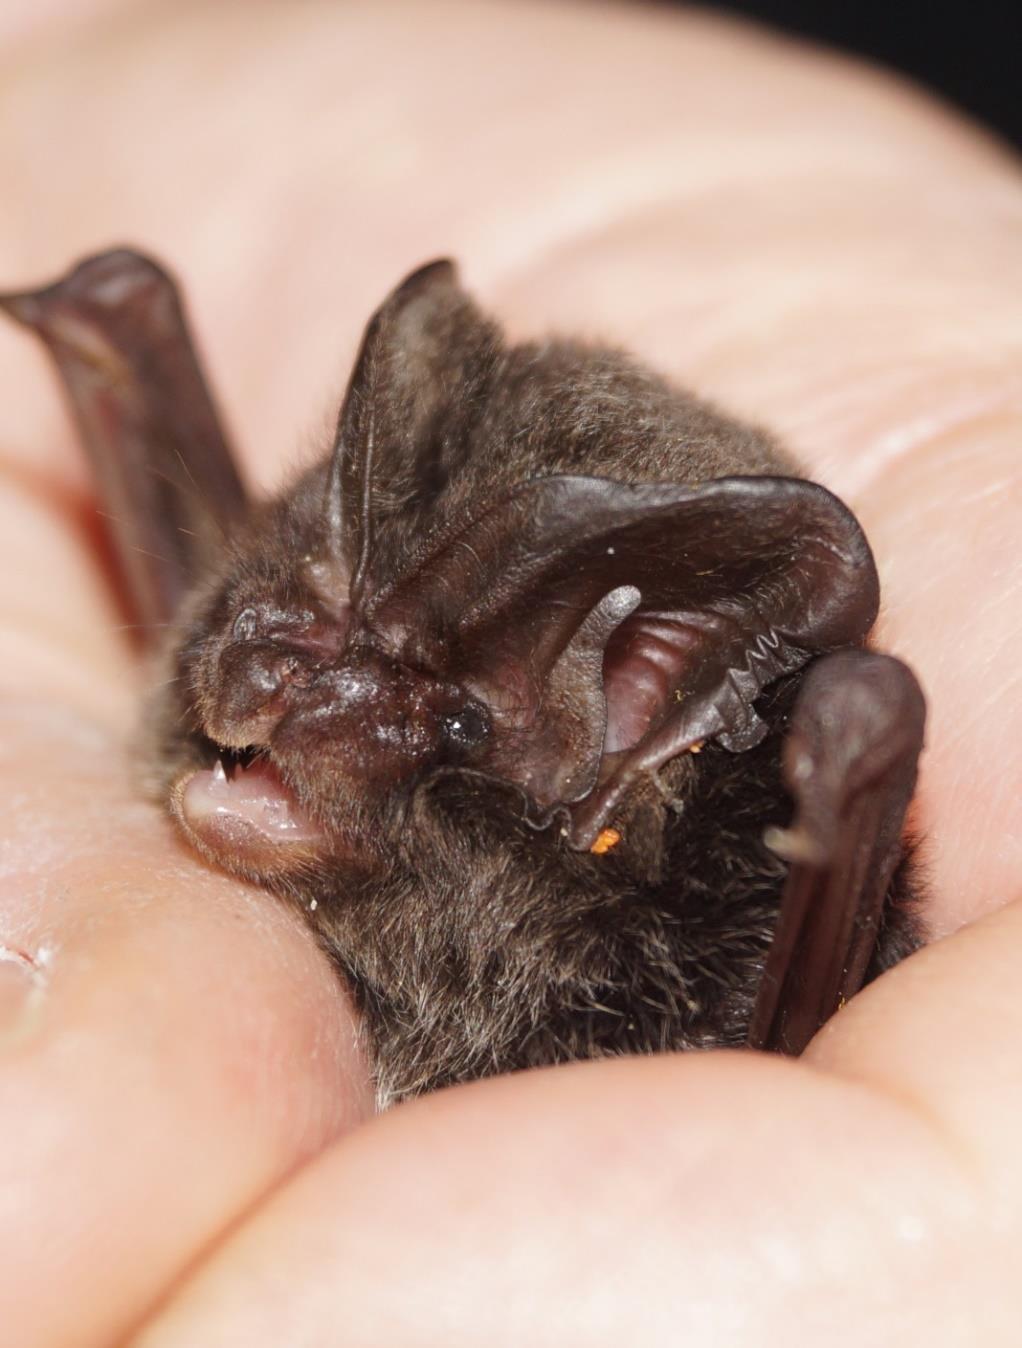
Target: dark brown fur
(475,943)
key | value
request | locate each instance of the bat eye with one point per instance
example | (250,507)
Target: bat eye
(467,728)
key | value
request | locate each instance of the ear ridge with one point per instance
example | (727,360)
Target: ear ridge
(562,756)
(423,357)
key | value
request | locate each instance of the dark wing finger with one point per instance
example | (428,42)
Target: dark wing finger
(850,761)
(166,479)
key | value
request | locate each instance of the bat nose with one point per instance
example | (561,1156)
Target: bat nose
(255,684)
(267,655)
(374,723)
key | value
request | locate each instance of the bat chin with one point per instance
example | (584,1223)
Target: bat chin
(249,822)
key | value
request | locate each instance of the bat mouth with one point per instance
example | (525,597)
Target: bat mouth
(240,811)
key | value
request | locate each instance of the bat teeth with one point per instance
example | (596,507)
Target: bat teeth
(253,812)
(231,761)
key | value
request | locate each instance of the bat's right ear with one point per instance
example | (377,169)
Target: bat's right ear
(404,428)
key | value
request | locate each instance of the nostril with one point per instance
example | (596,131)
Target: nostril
(267,657)
(251,690)
(271,669)
(267,670)
(296,671)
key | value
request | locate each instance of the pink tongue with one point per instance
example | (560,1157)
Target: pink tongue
(255,799)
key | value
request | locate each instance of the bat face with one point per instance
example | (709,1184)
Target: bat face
(309,735)
(511,690)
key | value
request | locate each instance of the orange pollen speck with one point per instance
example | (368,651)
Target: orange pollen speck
(697,747)
(605,840)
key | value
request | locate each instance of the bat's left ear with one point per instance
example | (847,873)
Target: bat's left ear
(608,627)
(405,423)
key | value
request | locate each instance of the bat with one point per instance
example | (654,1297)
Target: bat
(544,694)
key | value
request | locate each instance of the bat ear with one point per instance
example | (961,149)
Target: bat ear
(405,423)
(610,627)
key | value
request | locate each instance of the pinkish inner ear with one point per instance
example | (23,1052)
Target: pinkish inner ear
(643,669)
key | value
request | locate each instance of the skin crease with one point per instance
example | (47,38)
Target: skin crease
(804,240)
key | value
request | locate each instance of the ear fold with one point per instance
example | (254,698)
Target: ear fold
(426,355)
(608,627)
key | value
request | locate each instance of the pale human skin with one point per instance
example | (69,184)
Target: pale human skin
(187,1141)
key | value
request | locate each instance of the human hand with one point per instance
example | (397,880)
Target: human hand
(804,241)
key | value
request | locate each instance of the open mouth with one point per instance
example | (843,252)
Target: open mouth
(242,802)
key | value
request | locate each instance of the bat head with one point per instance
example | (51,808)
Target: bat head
(450,595)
